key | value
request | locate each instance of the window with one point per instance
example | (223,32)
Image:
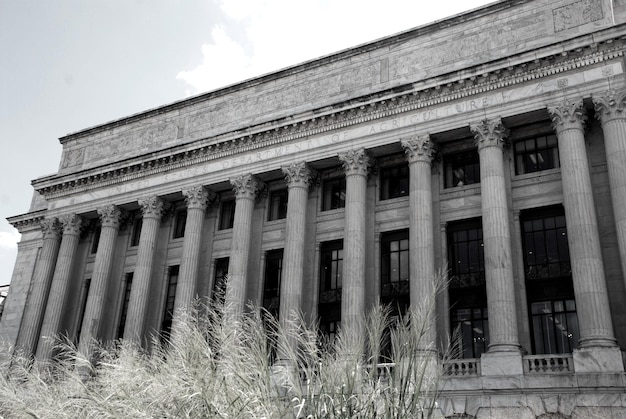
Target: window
(273,276)
(128,283)
(227,214)
(467,292)
(462,169)
(170,299)
(394,182)
(278,205)
(96,240)
(395,271)
(334,194)
(180,222)
(331,269)
(549,285)
(83,307)
(536,154)
(219,280)
(136,231)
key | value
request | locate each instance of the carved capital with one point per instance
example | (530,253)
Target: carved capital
(355,162)
(246,186)
(152,207)
(567,115)
(51,228)
(110,216)
(610,106)
(298,174)
(489,133)
(72,224)
(196,197)
(419,149)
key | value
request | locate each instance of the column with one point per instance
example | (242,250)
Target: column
(197,198)
(355,164)
(592,302)
(489,136)
(42,278)
(297,176)
(419,153)
(611,111)
(152,209)
(51,326)
(110,220)
(245,187)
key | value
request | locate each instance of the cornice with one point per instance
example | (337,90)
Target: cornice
(31,220)
(459,85)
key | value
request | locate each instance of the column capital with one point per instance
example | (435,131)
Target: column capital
(419,148)
(196,197)
(246,186)
(51,228)
(298,174)
(355,162)
(110,216)
(72,224)
(489,133)
(567,115)
(610,106)
(152,207)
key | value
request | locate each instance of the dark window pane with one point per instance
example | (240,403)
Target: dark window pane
(394,182)
(128,283)
(536,154)
(179,223)
(278,205)
(462,169)
(334,194)
(227,214)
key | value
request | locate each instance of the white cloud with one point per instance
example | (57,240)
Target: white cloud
(286,32)
(8,240)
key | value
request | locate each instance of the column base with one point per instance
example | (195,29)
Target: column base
(598,359)
(501,363)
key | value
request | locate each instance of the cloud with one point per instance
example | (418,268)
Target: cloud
(9,239)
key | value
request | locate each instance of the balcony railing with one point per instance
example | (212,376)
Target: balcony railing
(469,367)
(548,364)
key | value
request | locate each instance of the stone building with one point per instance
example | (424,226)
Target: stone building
(491,144)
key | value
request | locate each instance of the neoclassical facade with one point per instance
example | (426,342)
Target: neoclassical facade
(490,146)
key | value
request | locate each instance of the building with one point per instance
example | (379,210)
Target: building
(491,144)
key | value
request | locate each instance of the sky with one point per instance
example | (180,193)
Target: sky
(66,65)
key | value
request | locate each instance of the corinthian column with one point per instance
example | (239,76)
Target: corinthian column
(592,303)
(489,136)
(297,176)
(611,110)
(60,283)
(36,303)
(419,153)
(197,198)
(246,188)
(355,164)
(152,209)
(110,219)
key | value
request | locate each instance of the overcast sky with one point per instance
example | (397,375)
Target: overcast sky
(66,65)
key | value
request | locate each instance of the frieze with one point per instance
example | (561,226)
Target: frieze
(577,14)
(349,115)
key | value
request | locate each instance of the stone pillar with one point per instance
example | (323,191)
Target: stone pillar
(42,278)
(419,152)
(297,176)
(592,302)
(152,209)
(246,188)
(611,111)
(355,164)
(60,284)
(110,219)
(197,199)
(489,136)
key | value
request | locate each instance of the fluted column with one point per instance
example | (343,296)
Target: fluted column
(152,209)
(92,320)
(611,110)
(489,136)
(355,164)
(297,176)
(60,284)
(42,278)
(419,152)
(592,302)
(197,199)
(246,188)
